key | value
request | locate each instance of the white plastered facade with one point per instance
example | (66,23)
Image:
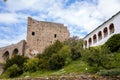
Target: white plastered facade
(103,32)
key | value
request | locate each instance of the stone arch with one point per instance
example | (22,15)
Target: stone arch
(6,55)
(105,31)
(99,35)
(111,28)
(90,41)
(15,51)
(94,38)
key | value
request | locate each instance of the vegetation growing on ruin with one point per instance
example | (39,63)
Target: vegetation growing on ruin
(68,57)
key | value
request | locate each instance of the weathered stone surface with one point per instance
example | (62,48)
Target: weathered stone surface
(40,34)
(8,51)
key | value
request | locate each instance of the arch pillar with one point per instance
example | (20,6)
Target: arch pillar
(102,34)
(97,38)
(108,31)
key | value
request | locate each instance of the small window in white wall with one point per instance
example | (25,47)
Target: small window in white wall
(94,38)
(90,41)
(99,35)
(105,32)
(111,28)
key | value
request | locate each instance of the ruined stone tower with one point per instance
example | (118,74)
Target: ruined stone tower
(41,34)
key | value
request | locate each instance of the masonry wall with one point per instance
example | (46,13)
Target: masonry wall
(41,34)
(9,51)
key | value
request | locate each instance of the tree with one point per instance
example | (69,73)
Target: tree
(74,42)
(5,0)
(17,59)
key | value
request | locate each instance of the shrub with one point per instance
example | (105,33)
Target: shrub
(114,43)
(17,59)
(65,51)
(13,71)
(111,72)
(50,50)
(74,42)
(75,54)
(43,64)
(99,57)
(31,65)
(57,61)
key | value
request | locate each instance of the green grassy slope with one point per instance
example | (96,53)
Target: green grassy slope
(75,67)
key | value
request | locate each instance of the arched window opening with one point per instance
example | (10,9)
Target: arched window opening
(90,41)
(94,38)
(99,35)
(6,55)
(111,28)
(15,52)
(105,32)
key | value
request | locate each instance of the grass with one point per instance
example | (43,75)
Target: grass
(75,67)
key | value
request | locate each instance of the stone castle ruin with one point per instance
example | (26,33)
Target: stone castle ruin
(40,34)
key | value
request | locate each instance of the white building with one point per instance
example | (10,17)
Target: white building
(103,32)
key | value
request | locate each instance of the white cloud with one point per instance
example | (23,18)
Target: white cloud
(5,42)
(80,16)
(7,18)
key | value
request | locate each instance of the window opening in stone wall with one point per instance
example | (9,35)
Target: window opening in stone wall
(15,52)
(105,32)
(33,33)
(55,35)
(50,41)
(6,55)
(111,28)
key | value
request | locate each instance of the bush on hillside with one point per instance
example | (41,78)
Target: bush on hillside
(111,72)
(57,61)
(13,71)
(65,51)
(54,48)
(31,65)
(17,59)
(113,43)
(99,57)
(74,42)
(43,64)
(75,54)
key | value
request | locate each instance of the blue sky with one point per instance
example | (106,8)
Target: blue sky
(80,16)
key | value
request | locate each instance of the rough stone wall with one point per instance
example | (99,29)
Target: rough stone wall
(41,34)
(10,50)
